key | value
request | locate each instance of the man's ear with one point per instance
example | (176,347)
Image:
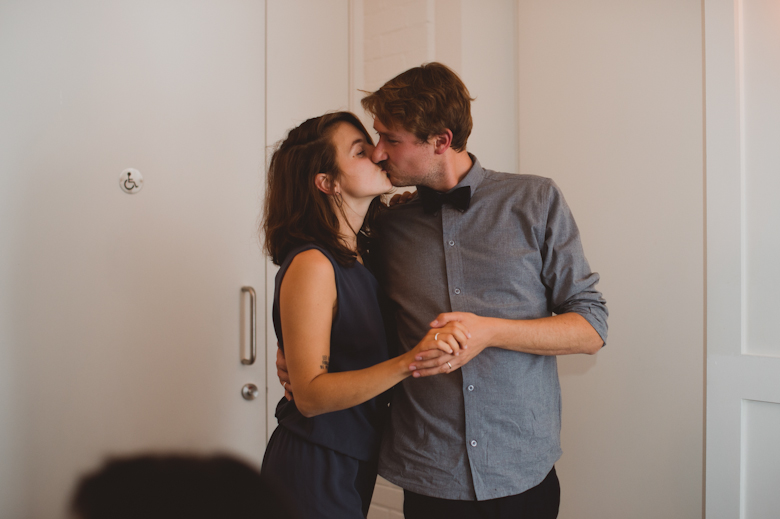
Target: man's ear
(324,183)
(442,142)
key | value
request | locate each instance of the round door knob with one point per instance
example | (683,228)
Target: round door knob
(249,391)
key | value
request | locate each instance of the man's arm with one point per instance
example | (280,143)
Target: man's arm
(580,321)
(564,334)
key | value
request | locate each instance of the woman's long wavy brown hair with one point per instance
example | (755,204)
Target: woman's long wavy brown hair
(296,212)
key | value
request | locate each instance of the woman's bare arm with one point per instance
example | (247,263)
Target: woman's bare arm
(307,301)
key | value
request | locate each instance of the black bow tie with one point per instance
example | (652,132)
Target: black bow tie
(433,200)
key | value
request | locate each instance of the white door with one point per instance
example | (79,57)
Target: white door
(742,49)
(122,313)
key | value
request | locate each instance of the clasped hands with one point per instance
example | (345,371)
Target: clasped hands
(452,341)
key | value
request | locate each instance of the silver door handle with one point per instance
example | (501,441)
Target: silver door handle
(252,327)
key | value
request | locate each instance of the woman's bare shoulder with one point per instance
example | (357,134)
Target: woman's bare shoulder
(311,265)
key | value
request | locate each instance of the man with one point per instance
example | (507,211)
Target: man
(502,254)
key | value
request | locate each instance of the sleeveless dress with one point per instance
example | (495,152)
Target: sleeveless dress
(325,466)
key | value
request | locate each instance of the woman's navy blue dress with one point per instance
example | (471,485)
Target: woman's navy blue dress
(325,466)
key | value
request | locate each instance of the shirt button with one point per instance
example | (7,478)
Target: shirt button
(457,291)
(473,443)
(451,243)
(471,388)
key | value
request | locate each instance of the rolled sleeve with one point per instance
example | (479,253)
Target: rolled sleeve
(565,272)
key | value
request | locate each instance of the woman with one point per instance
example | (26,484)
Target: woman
(323,194)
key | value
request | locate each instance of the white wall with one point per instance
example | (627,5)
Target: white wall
(611,108)
(606,97)
(489,68)
(398,35)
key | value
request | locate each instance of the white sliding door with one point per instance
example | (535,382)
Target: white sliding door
(121,314)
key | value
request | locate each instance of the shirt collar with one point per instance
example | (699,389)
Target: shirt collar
(473,178)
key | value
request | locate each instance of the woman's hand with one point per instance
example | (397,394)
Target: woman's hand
(282,373)
(449,340)
(401,198)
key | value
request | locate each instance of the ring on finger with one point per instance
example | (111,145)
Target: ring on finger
(450,365)
(436,337)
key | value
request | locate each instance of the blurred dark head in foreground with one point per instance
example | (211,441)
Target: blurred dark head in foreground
(153,486)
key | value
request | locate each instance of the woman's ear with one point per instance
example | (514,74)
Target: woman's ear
(442,142)
(324,183)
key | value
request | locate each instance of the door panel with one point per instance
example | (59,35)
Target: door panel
(743,367)
(125,310)
(760,36)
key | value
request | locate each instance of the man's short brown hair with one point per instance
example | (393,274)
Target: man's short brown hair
(426,101)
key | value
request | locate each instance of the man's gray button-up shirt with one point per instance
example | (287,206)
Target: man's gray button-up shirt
(514,254)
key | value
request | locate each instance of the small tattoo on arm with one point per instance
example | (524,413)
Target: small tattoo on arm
(325,362)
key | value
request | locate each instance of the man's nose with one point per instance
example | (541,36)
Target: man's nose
(378,155)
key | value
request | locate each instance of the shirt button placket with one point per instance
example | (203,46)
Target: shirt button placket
(473,443)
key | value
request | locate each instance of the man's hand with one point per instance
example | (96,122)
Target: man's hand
(433,362)
(281,372)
